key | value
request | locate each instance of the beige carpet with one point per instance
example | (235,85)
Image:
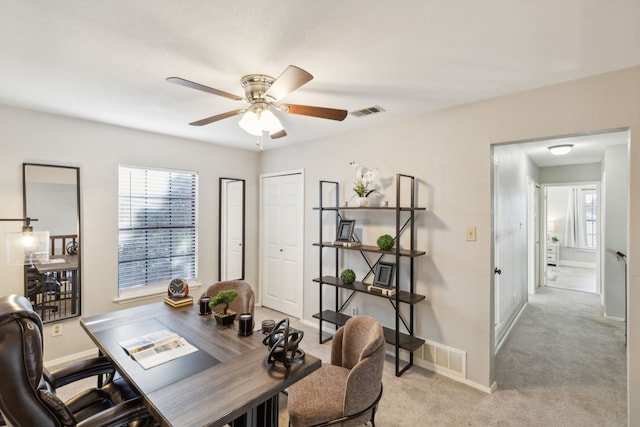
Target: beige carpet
(562,365)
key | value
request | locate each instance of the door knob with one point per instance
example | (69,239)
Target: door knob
(497,271)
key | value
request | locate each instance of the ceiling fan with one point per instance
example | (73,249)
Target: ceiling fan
(261,93)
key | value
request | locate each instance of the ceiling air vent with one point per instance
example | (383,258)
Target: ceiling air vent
(368,111)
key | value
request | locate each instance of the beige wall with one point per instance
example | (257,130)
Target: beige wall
(98,150)
(449,152)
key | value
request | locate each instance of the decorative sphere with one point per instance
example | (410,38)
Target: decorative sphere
(385,242)
(347,276)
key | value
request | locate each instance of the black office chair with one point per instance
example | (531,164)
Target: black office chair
(27,389)
(39,289)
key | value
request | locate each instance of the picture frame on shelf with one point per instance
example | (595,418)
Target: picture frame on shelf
(384,275)
(344,233)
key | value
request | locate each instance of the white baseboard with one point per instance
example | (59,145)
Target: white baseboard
(569,263)
(515,320)
(72,358)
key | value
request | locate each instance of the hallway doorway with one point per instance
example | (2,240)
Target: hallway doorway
(526,164)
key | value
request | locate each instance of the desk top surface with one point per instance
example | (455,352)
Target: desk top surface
(224,379)
(58,263)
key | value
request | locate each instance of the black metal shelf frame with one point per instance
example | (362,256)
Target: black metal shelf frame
(400,340)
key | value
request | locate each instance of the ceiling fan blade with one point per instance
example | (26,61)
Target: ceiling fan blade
(192,85)
(217,117)
(290,79)
(279,134)
(321,112)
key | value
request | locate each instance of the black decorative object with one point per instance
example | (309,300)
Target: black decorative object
(204,306)
(345,230)
(245,324)
(283,344)
(267,326)
(72,248)
(384,274)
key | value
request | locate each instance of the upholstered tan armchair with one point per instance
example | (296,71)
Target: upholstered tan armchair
(347,391)
(244,303)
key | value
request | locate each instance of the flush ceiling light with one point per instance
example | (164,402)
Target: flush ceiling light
(560,150)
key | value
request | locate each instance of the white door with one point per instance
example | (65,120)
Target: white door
(533,238)
(281,231)
(232,239)
(510,238)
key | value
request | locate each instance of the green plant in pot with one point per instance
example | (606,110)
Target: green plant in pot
(226,316)
(347,276)
(385,242)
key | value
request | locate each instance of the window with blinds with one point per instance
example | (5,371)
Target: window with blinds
(157,226)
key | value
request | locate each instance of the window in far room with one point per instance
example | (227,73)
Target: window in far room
(157,222)
(590,217)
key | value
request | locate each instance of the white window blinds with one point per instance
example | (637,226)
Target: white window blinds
(157,226)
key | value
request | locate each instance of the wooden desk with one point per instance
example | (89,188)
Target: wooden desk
(226,381)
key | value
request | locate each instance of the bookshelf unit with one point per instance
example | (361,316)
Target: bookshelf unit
(401,336)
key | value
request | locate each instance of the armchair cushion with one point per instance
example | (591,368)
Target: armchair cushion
(322,397)
(350,386)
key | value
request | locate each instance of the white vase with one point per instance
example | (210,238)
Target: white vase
(363,202)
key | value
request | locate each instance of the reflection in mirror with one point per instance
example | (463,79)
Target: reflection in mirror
(52,194)
(231,229)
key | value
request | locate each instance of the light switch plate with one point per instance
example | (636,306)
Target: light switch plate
(471,234)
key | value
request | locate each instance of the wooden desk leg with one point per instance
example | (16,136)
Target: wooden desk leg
(264,415)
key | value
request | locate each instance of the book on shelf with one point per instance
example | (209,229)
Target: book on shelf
(346,244)
(179,301)
(381,290)
(156,348)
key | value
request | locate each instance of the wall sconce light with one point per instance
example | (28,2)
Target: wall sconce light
(26,247)
(560,150)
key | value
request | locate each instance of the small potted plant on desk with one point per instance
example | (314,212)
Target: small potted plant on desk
(226,316)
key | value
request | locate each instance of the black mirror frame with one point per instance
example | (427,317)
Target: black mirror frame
(78,246)
(222,180)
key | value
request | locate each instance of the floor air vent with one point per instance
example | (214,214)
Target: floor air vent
(445,359)
(368,111)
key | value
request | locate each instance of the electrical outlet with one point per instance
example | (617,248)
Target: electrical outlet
(354,311)
(56,330)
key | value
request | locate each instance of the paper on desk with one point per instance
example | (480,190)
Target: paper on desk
(163,353)
(55,261)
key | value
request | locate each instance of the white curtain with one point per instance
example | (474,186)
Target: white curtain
(575,234)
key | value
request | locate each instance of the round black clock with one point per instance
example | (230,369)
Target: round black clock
(178,288)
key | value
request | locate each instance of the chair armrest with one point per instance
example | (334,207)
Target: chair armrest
(118,415)
(80,370)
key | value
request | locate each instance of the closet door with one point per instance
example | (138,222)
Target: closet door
(281,233)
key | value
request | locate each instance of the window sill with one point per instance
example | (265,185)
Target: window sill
(148,292)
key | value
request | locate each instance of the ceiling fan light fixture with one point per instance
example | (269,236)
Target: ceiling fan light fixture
(270,122)
(560,150)
(254,123)
(250,123)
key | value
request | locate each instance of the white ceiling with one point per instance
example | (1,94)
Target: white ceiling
(107,60)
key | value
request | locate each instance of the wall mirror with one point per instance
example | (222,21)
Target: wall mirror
(52,195)
(231,229)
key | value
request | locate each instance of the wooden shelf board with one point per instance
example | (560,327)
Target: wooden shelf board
(403,296)
(371,248)
(407,342)
(371,208)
